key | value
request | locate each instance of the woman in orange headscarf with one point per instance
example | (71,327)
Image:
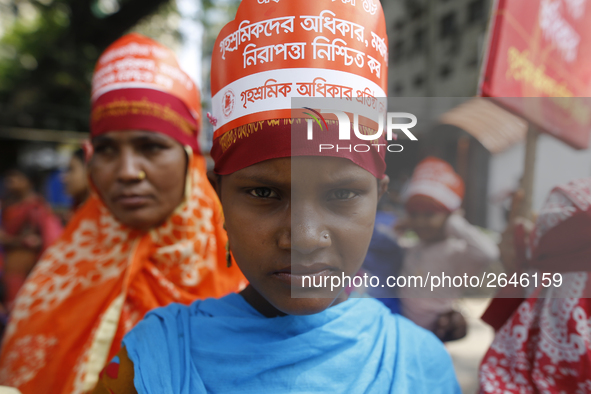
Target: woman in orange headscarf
(150,234)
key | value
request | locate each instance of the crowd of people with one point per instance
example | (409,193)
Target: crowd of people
(165,280)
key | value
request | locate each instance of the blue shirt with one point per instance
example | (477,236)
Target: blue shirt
(225,345)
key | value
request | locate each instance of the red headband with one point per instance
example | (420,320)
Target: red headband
(144,109)
(436,179)
(271,139)
(420,203)
(138,85)
(275,51)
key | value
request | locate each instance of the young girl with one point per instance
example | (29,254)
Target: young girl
(290,213)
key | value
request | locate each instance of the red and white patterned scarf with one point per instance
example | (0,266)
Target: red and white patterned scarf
(545,345)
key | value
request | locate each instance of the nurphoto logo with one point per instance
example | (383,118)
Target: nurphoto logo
(344,124)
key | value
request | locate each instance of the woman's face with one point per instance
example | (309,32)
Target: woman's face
(140,175)
(75,178)
(287,218)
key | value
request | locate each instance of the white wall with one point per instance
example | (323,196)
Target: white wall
(556,163)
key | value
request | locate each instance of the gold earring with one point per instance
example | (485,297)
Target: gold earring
(141,176)
(228,254)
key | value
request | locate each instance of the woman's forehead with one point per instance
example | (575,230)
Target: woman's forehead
(304,170)
(131,135)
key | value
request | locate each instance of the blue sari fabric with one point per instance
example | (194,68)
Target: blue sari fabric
(225,346)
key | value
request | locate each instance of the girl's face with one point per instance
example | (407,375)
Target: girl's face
(287,218)
(140,176)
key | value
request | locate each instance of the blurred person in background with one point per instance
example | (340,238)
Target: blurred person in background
(76,179)
(543,333)
(447,243)
(29,226)
(151,232)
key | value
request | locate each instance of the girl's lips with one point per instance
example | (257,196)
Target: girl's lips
(296,273)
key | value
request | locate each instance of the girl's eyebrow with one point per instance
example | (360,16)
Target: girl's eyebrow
(342,182)
(152,137)
(267,180)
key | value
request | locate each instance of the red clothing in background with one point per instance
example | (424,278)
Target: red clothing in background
(35,227)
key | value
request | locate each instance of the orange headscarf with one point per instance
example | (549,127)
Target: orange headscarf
(101,277)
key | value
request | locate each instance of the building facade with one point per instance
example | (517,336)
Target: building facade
(436,46)
(435,50)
